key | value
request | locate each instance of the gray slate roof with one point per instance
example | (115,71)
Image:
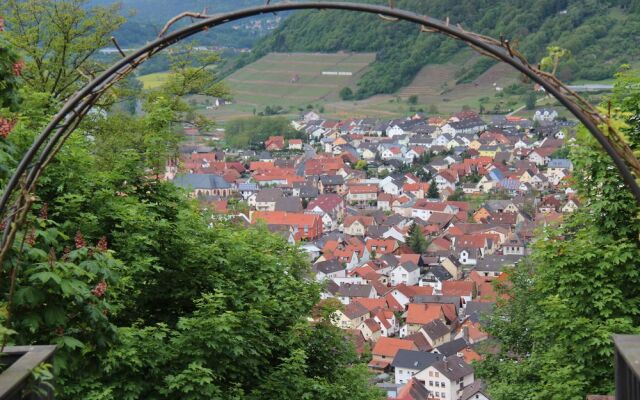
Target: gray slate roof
(476,309)
(354,290)
(201,181)
(410,266)
(477,387)
(560,163)
(496,263)
(414,360)
(438,299)
(435,329)
(269,195)
(452,348)
(328,267)
(332,180)
(453,368)
(289,204)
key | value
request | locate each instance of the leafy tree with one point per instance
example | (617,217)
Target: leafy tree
(413,100)
(555,329)
(60,57)
(10,70)
(416,239)
(433,192)
(530,101)
(457,195)
(346,94)
(255,130)
(191,73)
(361,165)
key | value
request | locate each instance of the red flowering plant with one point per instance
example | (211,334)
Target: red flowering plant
(60,290)
(11,68)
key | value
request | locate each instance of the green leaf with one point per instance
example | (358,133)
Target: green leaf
(71,287)
(70,342)
(45,277)
(55,316)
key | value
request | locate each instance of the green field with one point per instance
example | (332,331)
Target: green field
(152,81)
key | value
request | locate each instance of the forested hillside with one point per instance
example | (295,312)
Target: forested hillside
(145,19)
(599,34)
(149,10)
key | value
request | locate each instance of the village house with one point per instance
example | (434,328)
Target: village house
(542,155)
(407,363)
(200,185)
(356,225)
(331,184)
(348,291)
(385,351)
(351,317)
(447,378)
(295,144)
(331,208)
(266,199)
(274,143)
(362,195)
(407,273)
(545,115)
(309,226)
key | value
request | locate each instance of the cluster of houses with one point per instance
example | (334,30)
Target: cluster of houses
(352,194)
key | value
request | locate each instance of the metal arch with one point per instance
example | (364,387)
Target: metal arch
(63,123)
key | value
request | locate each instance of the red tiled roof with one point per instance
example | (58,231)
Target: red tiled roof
(412,291)
(471,241)
(261,165)
(370,304)
(457,288)
(414,258)
(420,314)
(364,220)
(388,347)
(313,222)
(424,204)
(382,246)
(392,302)
(326,202)
(362,189)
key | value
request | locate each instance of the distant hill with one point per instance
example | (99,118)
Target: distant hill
(161,10)
(601,35)
(147,17)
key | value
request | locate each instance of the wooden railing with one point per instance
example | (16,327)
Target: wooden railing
(627,364)
(17,380)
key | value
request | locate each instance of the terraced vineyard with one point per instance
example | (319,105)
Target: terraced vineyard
(431,81)
(294,79)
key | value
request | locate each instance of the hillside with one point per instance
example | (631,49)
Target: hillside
(148,10)
(598,34)
(291,82)
(298,78)
(145,18)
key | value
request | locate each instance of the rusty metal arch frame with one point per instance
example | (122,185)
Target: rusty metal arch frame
(22,184)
